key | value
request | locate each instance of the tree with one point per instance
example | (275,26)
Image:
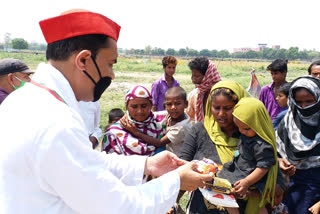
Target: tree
(182,52)
(303,54)
(213,53)
(281,54)
(205,52)
(223,54)
(147,50)
(38,46)
(193,52)
(157,51)
(293,53)
(7,40)
(19,43)
(171,52)
(252,54)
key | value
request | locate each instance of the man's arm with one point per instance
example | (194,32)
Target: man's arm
(93,182)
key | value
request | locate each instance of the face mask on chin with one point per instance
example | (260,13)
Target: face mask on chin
(101,85)
(22,83)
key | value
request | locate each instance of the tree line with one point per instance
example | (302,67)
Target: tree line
(293,53)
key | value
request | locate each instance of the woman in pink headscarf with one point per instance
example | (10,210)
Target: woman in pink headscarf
(141,119)
(204,76)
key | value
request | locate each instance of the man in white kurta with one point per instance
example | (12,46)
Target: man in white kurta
(47,164)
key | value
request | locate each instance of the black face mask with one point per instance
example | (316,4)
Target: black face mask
(101,85)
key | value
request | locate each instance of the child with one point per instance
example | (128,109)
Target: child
(176,120)
(278,70)
(314,69)
(114,115)
(254,163)
(315,209)
(282,99)
(161,85)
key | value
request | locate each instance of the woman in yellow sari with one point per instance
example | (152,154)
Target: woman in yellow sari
(216,138)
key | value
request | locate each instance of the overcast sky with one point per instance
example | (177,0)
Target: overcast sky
(198,24)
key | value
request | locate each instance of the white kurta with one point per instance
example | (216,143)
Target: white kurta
(90,113)
(47,165)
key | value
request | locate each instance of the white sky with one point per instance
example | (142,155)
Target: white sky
(198,24)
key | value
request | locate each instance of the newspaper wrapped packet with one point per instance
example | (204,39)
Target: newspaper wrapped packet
(205,166)
(218,190)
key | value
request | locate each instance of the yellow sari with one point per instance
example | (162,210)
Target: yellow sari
(253,113)
(225,145)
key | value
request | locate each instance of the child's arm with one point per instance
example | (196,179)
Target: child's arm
(241,186)
(130,127)
(151,140)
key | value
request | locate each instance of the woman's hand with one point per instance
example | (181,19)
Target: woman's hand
(128,125)
(287,167)
(241,187)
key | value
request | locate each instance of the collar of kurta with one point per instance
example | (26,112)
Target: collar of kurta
(52,78)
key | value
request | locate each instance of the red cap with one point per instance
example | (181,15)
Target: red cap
(76,23)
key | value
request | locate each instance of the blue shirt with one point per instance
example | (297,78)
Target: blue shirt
(278,119)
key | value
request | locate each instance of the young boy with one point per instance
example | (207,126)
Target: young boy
(176,120)
(282,99)
(161,85)
(114,115)
(314,69)
(278,69)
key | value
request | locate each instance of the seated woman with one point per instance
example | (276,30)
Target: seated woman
(298,144)
(139,119)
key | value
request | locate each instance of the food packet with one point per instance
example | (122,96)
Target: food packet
(219,185)
(205,166)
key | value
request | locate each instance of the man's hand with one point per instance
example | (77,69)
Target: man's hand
(190,179)
(162,163)
(287,167)
(94,141)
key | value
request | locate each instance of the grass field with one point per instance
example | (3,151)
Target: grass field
(133,71)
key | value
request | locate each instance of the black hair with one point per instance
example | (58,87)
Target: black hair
(226,92)
(169,60)
(115,113)
(178,91)
(200,63)
(63,49)
(278,65)
(284,88)
(312,64)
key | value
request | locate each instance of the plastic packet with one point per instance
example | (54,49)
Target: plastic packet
(205,166)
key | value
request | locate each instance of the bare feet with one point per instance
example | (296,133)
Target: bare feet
(315,209)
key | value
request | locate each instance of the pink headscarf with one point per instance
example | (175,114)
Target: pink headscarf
(211,77)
